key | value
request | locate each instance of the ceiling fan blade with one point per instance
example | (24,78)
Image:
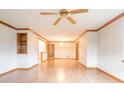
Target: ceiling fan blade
(78,11)
(71,20)
(57,21)
(48,13)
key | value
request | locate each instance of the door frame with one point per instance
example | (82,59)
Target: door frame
(77,51)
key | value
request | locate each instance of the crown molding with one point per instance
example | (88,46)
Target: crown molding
(60,41)
(8,25)
(111,21)
(104,25)
(90,30)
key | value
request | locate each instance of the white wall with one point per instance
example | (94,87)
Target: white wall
(31,58)
(23,59)
(33,49)
(66,50)
(88,49)
(92,49)
(42,51)
(83,49)
(9,59)
(7,49)
(110,49)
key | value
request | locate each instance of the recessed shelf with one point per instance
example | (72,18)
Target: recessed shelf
(22,43)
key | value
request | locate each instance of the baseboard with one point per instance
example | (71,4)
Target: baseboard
(8,72)
(18,69)
(65,58)
(91,67)
(27,68)
(79,62)
(103,72)
(44,61)
(82,64)
(110,75)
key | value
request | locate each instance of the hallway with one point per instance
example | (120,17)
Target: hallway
(55,71)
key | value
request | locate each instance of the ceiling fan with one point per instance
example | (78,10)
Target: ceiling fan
(63,13)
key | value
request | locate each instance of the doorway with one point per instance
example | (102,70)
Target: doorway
(51,49)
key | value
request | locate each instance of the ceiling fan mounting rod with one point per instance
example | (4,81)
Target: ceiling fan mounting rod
(63,12)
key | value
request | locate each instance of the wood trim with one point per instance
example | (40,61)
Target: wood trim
(85,33)
(22,28)
(60,41)
(45,60)
(80,35)
(91,67)
(87,67)
(18,69)
(38,35)
(8,25)
(66,58)
(92,30)
(106,24)
(82,64)
(110,75)
(8,72)
(111,21)
(77,50)
(26,68)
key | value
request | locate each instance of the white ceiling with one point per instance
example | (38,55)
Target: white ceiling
(64,31)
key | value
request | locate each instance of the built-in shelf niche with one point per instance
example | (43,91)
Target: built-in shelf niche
(22,43)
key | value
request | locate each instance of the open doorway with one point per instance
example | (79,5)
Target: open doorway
(51,49)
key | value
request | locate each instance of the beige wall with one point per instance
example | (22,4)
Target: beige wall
(88,49)
(42,50)
(7,49)
(110,48)
(66,50)
(31,58)
(83,50)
